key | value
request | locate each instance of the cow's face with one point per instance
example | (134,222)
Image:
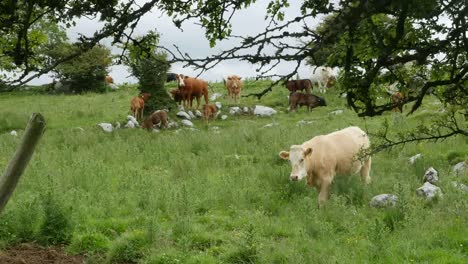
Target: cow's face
(297,156)
(180,80)
(145,96)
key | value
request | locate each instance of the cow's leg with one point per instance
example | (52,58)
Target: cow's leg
(365,170)
(324,191)
(198,102)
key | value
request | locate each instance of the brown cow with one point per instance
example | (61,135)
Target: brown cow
(398,100)
(109,80)
(157,117)
(234,87)
(309,100)
(209,111)
(176,95)
(192,88)
(299,85)
(137,105)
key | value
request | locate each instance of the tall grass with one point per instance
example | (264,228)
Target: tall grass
(203,197)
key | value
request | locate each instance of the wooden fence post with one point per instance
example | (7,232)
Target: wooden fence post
(18,163)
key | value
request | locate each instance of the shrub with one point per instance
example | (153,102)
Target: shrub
(128,248)
(150,66)
(56,227)
(85,72)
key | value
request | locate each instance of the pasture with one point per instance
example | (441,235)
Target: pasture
(223,195)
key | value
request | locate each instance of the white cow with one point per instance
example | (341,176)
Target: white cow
(323,77)
(325,156)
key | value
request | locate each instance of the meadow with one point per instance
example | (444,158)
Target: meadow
(223,195)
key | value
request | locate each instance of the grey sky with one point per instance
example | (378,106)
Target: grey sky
(192,40)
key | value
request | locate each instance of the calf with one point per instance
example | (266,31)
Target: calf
(234,87)
(176,95)
(298,85)
(309,100)
(209,111)
(323,157)
(158,117)
(137,105)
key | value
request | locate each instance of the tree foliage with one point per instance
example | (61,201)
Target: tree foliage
(85,72)
(149,65)
(417,45)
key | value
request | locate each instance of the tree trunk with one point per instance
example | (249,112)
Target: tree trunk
(20,159)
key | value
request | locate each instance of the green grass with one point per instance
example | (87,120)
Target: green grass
(203,197)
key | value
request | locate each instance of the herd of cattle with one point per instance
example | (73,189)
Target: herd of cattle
(318,160)
(190,89)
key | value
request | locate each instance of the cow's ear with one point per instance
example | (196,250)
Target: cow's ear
(240,78)
(307,152)
(284,155)
(229,78)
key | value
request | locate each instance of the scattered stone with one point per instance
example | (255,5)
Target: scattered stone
(337,112)
(198,114)
(113,86)
(344,95)
(384,200)
(183,114)
(215,96)
(130,124)
(215,127)
(460,186)
(224,117)
(269,125)
(429,191)
(218,104)
(133,120)
(235,110)
(431,175)
(303,122)
(181,108)
(460,167)
(187,123)
(172,124)
(107,127)
(156,130)
(190,113)
(261,110)
(14,133)
(246,110)
(414,158)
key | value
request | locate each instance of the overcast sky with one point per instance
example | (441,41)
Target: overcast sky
(192,40)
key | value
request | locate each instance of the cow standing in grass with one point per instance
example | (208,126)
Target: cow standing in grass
(191,88)
(309,100)
(323,157)
(137,105)
(234,87)
(158,117)
(298,85)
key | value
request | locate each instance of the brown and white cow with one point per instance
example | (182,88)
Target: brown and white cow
(323,157)
(192,88)
(300,99)
(322,77)
(298,85)
(158,117)
(234,87)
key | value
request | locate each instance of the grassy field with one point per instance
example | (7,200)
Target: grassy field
(201,196)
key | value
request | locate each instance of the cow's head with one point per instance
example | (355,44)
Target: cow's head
(297,156)
(145,96)
(180,80)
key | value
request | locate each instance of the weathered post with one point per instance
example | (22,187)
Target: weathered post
(18,163)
